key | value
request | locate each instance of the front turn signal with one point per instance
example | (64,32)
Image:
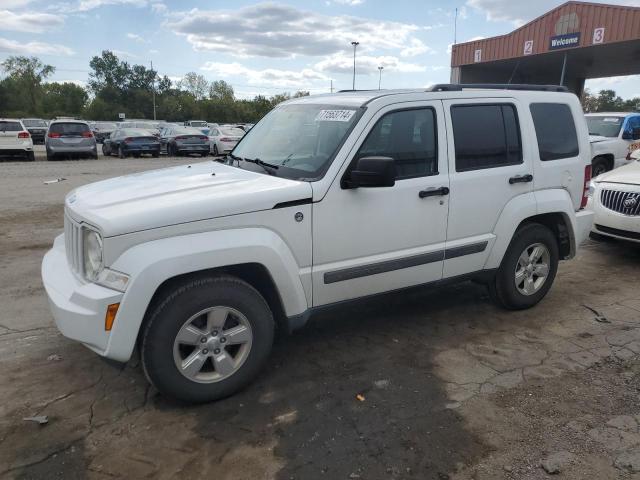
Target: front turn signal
(110,316)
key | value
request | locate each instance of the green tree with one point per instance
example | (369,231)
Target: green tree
(28,73)
(221,90)
(194,84)
(63,99)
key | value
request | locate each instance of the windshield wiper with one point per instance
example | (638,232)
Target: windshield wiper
(267,167)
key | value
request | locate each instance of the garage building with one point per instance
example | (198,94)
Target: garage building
(565,46)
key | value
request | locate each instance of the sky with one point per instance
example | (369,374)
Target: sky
(269,47)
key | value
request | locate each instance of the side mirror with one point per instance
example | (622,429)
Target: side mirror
(635,133)
(373,172)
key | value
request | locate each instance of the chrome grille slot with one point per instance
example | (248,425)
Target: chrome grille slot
(626,203)
(73,244)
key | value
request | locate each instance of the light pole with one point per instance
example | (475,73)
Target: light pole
(355,44)
(153,89)
(380,68)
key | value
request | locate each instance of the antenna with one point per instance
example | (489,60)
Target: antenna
(455,27)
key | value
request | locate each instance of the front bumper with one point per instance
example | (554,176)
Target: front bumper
(78,308)
(613,224)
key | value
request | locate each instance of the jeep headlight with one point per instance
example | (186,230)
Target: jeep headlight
(92,254)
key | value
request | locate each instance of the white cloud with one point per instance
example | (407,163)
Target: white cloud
(124,53)
(159,7)
(366,64)
(33,48)
(80,83)
(13,4)
(137,38)
(29,22)
(269,76)
(276,30)
(416,47)
(347,2)
(86,5)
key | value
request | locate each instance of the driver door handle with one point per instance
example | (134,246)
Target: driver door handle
(433,192)
(521,179)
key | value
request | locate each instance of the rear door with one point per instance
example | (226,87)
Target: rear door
(489,165)
(9,134)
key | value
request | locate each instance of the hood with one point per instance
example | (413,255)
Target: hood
(176,195)
(629,174)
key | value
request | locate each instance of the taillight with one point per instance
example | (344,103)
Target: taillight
(203,138)
(225,139)
(87,134)
(53,135)
(585,191)
(23,135)
(128,140)
(181,138)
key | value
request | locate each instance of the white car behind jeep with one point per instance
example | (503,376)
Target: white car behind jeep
(328,199)
(613,137)
(615,200)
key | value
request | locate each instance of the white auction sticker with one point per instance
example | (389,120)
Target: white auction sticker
(334,115)
(612,120)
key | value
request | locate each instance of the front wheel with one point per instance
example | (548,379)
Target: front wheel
(208,339)
(528,268)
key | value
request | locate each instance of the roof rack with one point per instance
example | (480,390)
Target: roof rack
(453,87)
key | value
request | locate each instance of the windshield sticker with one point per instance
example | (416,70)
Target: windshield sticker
(612,119)
(334,115)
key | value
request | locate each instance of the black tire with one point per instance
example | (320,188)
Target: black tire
(105,152)
(187,300)
(204,154)
(599,165)
(155,154)
(136,155)
(94,155)
(171,151)
(503,288)
(215,150)
(50,156)
(30,156)
(121,153)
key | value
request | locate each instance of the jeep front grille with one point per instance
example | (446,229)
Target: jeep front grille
(73,244)
(627,203)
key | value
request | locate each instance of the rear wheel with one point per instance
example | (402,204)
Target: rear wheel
(204,154)
(155,154)
(599,165)
(105,152)
(209,338)
(136,155)
(30,156)
(215,150)
(528,268)
(50,156)
(121,153)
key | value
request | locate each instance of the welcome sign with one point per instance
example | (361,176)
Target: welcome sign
(564,41)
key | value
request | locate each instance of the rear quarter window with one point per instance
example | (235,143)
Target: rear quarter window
(555,131)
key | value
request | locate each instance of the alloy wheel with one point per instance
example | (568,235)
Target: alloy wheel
(532,269)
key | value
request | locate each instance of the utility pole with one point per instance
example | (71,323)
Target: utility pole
(455,27)
(355,44)
(380,68)
(332,85)
(153,90)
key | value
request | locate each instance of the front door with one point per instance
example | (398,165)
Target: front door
(372,240)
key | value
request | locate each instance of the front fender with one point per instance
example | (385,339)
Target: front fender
(152,263)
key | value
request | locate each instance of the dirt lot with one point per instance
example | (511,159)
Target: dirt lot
(454,387)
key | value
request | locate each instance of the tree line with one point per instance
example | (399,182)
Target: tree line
(114,86)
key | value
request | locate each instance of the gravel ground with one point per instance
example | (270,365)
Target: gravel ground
(453,386)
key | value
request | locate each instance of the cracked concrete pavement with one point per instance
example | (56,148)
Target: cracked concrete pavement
(453,386)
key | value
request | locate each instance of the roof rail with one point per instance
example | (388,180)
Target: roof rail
(350,90)
(455,87)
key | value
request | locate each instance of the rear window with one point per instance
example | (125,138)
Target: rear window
(34,123)
(556,131)
(10,126)
(234,132)
(105,126)
(69,128)
(486,136)
(137,132)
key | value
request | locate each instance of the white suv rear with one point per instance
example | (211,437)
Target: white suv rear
(15,139)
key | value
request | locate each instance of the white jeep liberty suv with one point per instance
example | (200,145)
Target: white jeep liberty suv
(328,199)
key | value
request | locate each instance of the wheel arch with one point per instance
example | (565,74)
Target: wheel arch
(608,157)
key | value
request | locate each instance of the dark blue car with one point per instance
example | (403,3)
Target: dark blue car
(131,142)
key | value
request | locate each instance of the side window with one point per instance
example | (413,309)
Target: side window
(407,136)
(555,130)
(486,136)
(632,124)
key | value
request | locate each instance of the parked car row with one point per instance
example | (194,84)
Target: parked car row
(131,141)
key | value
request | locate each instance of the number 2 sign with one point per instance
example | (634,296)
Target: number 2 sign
(528,47)
(598,35)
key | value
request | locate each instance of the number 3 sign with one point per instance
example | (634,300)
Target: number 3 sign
(598,35)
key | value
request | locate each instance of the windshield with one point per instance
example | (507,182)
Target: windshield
(34,123)
(301,139)
(604,126)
